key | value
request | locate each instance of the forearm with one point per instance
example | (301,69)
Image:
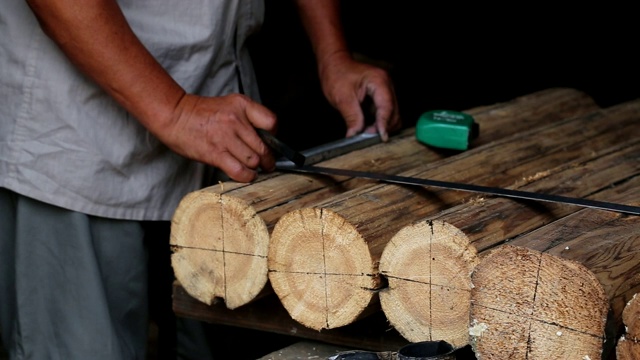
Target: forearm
(346,82)
(321,20)
(96,37)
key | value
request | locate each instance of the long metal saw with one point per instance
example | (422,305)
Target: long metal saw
(303,162)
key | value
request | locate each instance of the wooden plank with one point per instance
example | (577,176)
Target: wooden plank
(344,236)
(204,244)
(305,350)
(267,314)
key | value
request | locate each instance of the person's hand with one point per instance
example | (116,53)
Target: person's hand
(219,131)
(347,82)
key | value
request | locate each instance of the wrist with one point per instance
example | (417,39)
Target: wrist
(332,60)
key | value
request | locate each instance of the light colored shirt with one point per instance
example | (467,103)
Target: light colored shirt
(65,142)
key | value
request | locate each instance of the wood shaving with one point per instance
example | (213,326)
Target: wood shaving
(478,328)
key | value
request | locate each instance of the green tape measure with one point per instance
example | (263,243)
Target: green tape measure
(446,129)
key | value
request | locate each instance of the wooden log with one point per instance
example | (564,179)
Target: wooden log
(531,305)
(428,266)
(487,222)
(348,232)
(213,262)
(628,347)
(603,243)
(402,309)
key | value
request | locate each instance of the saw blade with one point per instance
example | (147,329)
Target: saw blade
(509,193)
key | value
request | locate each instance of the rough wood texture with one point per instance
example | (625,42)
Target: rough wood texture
(219,248)
(604,242)
(532,305)
(372,215)
(610,159)
(204,259)
(628,347)
(428,266)
(323,283)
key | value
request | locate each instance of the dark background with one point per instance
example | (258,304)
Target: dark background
(451,56)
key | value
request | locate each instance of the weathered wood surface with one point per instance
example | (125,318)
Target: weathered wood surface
(628,347)
(606,243)
(219,235)
(347,233)
(428,266)
(490,221)
(530,305)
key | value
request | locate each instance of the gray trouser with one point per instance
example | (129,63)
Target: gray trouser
(72,286)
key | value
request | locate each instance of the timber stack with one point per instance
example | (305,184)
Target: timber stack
(530,279)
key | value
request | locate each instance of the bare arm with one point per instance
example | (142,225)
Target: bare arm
(96,37)
(346,82)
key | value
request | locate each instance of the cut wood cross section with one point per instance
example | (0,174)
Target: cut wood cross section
(532,305)
(628,347)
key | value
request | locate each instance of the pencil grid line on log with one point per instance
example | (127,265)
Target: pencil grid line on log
(210,242)
(436,286)
(530,305)
(361,208)
(627,189)
(321,275)
(592,229)
(274,194)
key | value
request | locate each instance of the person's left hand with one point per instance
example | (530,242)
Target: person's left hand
(346,82)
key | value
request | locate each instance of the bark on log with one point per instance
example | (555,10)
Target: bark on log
(531,305)
(488,222)
(369,216)
(212,262)
(628,347)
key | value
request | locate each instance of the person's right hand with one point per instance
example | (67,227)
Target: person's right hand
(219,131)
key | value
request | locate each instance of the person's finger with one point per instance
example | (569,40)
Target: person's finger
(264,155)
(384,104)
(231,166)
(352,114)
(260,116)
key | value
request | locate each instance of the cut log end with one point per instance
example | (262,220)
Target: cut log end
(320,268)
(219,248)
(536,306)
(428,267)
(628,346)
